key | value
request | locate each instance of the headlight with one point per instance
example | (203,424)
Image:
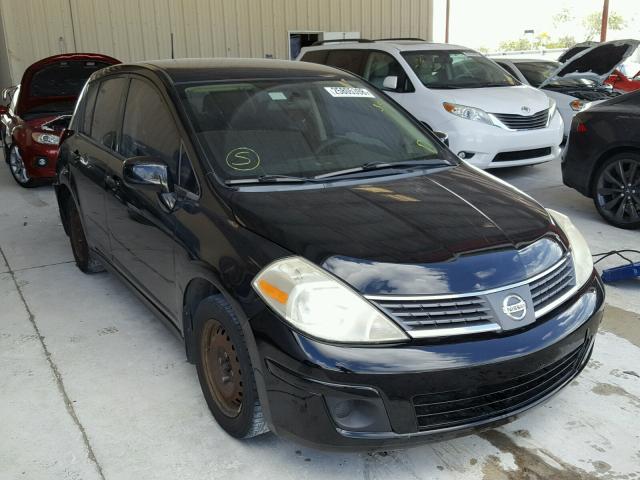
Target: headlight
(318,304)
(582,259)
(468,113)
(579,105)
(552,110)
(45,138)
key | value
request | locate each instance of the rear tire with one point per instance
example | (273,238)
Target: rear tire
(616,190)
(85,259)
(225,371)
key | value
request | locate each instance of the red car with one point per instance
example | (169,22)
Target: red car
(39,110)
(620,81)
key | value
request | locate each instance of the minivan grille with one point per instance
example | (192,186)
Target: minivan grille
(554,285)
(423,314)
(522,154)
(454,408)
(524,122)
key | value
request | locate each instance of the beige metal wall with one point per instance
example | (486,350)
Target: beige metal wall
(133,30)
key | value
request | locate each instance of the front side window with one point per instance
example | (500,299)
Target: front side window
(381,65)
(445,69)
(106,113)
(148,129)
(301,128)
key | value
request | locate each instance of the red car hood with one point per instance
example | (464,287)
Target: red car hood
(31,85)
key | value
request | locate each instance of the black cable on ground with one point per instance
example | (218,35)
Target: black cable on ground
(619,253)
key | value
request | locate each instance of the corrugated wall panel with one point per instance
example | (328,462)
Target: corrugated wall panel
(134,30)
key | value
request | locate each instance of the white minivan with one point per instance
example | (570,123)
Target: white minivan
(492,119)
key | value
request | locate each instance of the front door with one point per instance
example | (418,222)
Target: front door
(141,227)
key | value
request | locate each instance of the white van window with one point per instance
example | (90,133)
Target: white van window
(457,69)
(381,65)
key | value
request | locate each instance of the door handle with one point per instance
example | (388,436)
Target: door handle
(112,182)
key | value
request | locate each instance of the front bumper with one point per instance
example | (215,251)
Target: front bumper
(333,396)
(35,151)
(487,141)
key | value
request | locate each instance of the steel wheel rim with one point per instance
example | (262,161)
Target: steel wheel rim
(17,166)
(222,369)
(618,191)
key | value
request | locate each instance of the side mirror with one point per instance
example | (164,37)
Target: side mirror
(151,174)
(3,110)
(390,83)
(443,137)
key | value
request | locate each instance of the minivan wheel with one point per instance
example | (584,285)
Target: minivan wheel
(225,371)
(85,259)
(18,170)
(617,190)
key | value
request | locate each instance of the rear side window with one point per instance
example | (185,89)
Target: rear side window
(350,60)
(315,56)
(149,129)
(105,122)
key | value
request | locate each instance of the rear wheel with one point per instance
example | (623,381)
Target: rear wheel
(617,190)
(85,259)
(225,371)
(18,170)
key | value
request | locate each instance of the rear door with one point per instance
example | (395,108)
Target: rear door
(91,149)
(140,226)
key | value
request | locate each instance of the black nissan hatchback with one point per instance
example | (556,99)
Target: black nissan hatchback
(337,274)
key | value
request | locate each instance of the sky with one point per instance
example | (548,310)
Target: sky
(486,23)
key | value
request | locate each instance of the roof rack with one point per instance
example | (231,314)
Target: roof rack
(358,40)
(414,39)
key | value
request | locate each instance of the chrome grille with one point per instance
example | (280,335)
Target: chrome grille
(547,289)
(524,122)
(472,313)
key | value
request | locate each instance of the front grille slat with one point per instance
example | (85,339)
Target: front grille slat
(524,122)
(554,285)
(449,409)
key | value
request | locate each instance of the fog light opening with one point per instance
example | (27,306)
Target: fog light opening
(358,414)
(41,162)
(465,155)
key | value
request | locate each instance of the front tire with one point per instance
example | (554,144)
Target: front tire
(616,190)
(225,371)
(18,170)
(85,259)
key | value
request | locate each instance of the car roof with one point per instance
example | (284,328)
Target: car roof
(217,69)
(386,45)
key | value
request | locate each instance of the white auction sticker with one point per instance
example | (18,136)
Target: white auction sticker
(352,92)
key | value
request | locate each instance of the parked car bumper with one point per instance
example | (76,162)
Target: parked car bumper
(333,396)
(493,146)
(35,153)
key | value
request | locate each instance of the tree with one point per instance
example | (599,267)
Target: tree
(563,42)
(513,45)
(593,23)
(563,16)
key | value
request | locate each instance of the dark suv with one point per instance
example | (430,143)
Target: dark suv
(337,274)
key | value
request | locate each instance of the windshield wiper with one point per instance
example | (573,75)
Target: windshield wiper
(272,178)
(367,167)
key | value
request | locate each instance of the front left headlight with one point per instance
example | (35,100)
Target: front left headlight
(318,304)
(468,113)
(582,259)
(45,138)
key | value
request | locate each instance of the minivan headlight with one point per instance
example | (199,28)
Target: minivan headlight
(468,113)
(318,304)
(582,259)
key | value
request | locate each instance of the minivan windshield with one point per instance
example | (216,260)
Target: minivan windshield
(269,129)
(445,69)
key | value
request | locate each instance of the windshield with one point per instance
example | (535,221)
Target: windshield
(301,128)
(457,69)
(536,72)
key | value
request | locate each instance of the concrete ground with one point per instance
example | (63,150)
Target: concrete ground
(92,386)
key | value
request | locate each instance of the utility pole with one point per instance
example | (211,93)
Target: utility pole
(605,21)
(446,27)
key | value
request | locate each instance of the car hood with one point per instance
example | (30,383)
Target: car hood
(451,231)
(595,63)
(509,100)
